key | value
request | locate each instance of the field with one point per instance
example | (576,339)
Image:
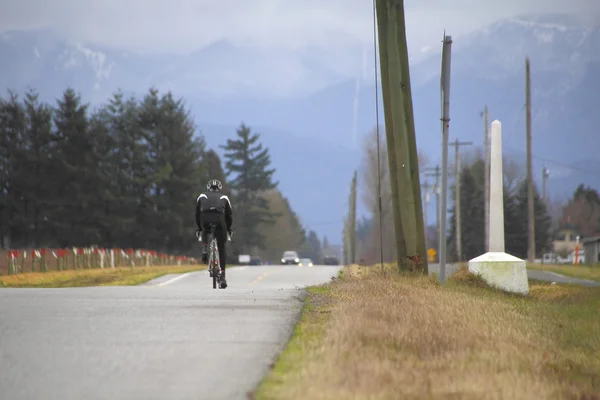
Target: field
(93,277)
(383,335)
(575,271)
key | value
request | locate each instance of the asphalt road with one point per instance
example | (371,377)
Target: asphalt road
(176,338)
(531,274)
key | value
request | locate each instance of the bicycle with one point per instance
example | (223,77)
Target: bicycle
(214,263)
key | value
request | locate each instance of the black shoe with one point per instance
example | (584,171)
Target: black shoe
(204,258)
(222,280)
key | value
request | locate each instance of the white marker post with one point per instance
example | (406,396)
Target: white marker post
(496,267)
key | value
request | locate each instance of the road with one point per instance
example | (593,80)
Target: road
(174,338)
(531,274)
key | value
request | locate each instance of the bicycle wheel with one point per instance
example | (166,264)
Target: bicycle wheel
(216,262)
(213,263)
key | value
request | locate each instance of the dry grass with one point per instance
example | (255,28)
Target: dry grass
(93,277)
(380,335)
(575,271)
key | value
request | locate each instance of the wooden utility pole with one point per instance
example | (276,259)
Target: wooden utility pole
(400,134)
(350,225)
(458,217)
(545,175)
(353,220)
(486,179)
(530,204)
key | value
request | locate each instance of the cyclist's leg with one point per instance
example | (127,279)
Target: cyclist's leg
(221,236)
(204,243)
(207,219)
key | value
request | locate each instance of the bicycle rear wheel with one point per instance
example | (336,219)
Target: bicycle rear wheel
(213,263)
(216,263)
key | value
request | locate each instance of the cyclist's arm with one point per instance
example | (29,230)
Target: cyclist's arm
(228,212)
(199,210)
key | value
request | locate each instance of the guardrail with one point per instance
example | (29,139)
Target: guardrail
(41,260)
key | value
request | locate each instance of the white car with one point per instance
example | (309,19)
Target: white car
(290,257)
(305,262)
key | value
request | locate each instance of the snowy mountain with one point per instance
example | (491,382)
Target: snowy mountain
(313,112)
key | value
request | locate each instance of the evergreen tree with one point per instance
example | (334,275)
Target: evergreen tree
(214,169)
(285,233)
(129,165)
(543,221)
(13,127)
(247,167)
(472,216)
(38,142)
(127,175)
(325,243)
(582,212)
(107,206)
(314,245)
(175,173)
(515,233)
(76,188)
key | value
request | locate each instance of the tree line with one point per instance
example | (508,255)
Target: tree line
(515,216)
(368,229)
(127,174)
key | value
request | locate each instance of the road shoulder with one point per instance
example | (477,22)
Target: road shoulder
(389,336)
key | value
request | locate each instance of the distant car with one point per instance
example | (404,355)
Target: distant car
(255,261)
(290,257)
(331,260)
(305,262)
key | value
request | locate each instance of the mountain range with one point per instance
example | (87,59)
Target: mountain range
(314,118)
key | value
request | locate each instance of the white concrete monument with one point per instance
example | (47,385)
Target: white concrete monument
(496,267)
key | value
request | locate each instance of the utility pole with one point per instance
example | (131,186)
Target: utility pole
(427,196)
(436,187)
(531,210)
(445,118)
(389,25)
(352,221)
(425,186)
(458,234)
(545,175)
(486,179)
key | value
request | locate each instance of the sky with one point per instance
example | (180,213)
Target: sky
(182,26)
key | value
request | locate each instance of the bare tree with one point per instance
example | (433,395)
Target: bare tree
(370,248)
(583,215)
(514,172)
(369,196)
(555,206)
(423,159)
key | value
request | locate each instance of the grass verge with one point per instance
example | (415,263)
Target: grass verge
(93,277)
(382,335)
(574,271)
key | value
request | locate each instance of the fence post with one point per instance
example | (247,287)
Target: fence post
(43,260)
(11,267)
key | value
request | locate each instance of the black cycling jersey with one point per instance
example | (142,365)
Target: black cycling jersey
(213,202)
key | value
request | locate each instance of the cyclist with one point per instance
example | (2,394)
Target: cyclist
(213,207)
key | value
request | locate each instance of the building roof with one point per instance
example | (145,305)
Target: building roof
(592,239)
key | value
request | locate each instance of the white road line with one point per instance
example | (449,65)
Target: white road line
(174,279)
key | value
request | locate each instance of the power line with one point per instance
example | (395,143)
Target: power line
(552,161)
(560,163)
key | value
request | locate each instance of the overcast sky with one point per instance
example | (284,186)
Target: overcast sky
(186,25)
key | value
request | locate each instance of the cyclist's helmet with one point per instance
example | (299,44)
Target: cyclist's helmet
(214,186)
